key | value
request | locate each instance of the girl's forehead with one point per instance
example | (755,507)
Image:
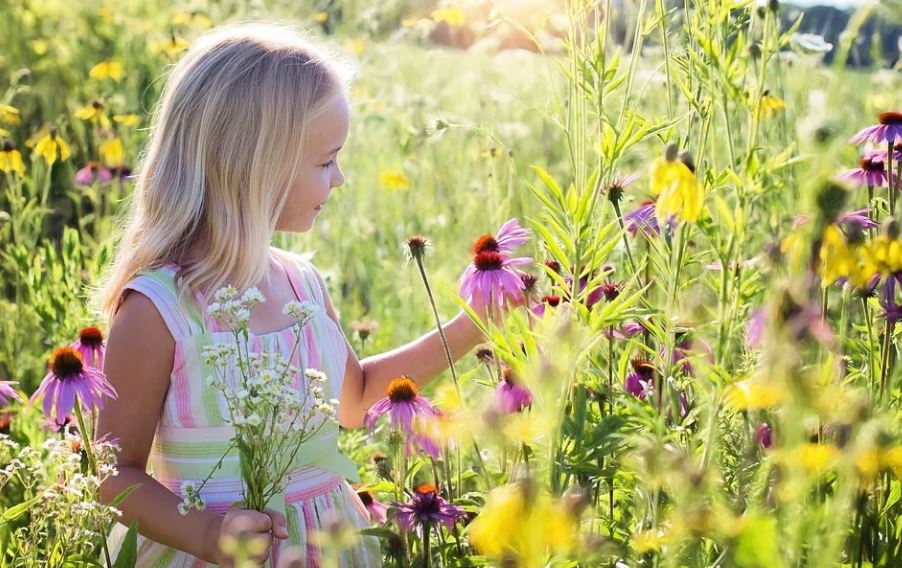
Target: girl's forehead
(328,130)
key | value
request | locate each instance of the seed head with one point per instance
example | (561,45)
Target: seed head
(416,246)
(402,389)
(66,362)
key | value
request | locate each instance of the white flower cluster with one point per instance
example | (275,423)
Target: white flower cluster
(301,312)
(272,415)
(233,310)
(191,498)
(67,513)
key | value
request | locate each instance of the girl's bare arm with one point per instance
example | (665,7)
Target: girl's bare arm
(423,359)
(138,363)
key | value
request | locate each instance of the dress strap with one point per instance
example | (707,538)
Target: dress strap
(301,277)
(158,285)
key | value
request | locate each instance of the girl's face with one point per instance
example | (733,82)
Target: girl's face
(319,172)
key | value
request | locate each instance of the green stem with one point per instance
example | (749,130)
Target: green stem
(86,441)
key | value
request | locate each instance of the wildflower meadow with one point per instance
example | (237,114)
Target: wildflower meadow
(676,224)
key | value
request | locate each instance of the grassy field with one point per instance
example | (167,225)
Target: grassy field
(785,451)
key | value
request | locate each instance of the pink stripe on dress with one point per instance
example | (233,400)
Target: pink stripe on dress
(182,386)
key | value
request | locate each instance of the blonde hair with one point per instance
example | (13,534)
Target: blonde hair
(224,147)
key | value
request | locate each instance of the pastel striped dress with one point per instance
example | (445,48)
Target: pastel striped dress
(192,432)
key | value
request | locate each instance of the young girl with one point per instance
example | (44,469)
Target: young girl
(244,143)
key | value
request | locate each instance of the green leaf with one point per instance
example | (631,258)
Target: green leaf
(124,495)
(128,554)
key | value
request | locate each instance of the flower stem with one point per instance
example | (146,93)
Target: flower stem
(438,324)
(93,465)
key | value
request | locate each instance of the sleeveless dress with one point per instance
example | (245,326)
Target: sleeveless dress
(192,433)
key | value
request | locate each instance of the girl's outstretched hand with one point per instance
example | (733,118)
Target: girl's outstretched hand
(242,534)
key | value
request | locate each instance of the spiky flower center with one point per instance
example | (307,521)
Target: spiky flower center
(485,243)
(871,165)
(643,367)
(485,355)
(611,290)
(66,362)
(426,489)
(890,117)
(553,301)
(508,375)
(365,497)
(7,145)
(529,282)
(402,389)
(553,265)
(91,336)
(488,260)
(417,245)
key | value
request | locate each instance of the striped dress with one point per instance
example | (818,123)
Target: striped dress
(192,433)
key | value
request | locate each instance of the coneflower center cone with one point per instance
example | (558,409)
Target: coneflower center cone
(485,243)
(402,389)
(890,117)
(91,336)
(488,260)
(66,362)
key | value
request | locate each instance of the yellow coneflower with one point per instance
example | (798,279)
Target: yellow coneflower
(170,47)
(51,146)
(109,68)
(93,113)
(112,151)
(11,159)
(10,114)
(769,105)
(39,46)
(678,191)
(320,17)
(127,120)
(394,180)
(755,395)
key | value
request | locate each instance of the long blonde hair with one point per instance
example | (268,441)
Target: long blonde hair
(225,142)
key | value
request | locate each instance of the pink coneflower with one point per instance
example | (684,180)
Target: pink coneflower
(425,508)
(93,172)
(492,279)
(870,172)
(548,301)
(377,510)
(858,218)
(887,129)
(754,333)
(640,381)
(614,190)
(91,345)
(7,393)
(70,382)
(511,395)
(642,218)
(765,435)
(509,237)
(403,404)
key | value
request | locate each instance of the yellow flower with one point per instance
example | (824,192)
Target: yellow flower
(769,105)
(677,190)
(51,146)
(816,457)
(883,254)
(10,114)
(104,69)
(755,394)
(111,151)
(394,180)
(38,46)
(838,259)
(868,463)
(11,159)
(647,541)
(171,47)
(508,525)
(127,119)
(355,46)
(320,17)
(892,459)
(93,113)
(452,15)
(191,19)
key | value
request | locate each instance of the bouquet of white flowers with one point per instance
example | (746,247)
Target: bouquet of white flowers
(271,416)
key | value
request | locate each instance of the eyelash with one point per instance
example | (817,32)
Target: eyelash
(328,164)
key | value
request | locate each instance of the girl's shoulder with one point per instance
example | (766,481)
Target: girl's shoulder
(158,284)
(305,272)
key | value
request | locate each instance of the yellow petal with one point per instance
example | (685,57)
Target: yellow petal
(112,151)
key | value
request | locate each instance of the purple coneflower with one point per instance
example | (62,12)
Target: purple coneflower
(892,311)
(7,392)
(403,404)
(511,395)
(492,279)
(427,507)
(870,172)
(377,510)
(548,301)
(640,381)
(642,218)
(858,218)
(765,435)
(70,379)
(887,129)
(91,345)
(511,236)
(754,333)
(93,172)
(618,183)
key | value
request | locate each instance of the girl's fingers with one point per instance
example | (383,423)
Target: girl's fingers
(279,524)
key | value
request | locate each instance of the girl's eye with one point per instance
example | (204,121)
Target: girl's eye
(328,164)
